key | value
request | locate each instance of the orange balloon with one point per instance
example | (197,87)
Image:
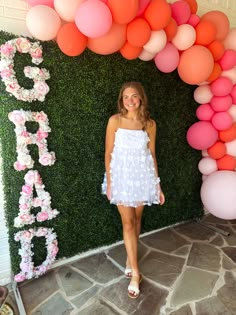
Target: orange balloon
(193,5)
(138,32)
(70,40)
(158,14)
(217,150)
(171,29)
(216,72)
(228,134)
(205,33)
(123,11)
(217,49)
(221,22)
(110,42)
(130,52)
(227,162)
(195,65)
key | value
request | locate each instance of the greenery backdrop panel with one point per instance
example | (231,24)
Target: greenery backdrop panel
(83,95)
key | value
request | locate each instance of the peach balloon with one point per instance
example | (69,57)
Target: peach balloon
(110,42)
(230,40)
(43,22)
(67,11)
(185,37)
(130,52)
(221,22)
(156,43)
(196,64)
(231,74)
(207,166)
(123,11)
(232,112)
(202,94)
(231,147)
(204,153)
(146,56)
(157,14)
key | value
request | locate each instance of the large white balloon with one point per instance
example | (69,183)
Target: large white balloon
(218,194)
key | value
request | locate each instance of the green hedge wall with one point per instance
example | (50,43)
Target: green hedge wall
(83,95)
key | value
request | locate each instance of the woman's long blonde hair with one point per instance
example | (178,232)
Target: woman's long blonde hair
(143,112)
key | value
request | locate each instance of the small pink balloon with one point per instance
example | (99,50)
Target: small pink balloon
(167,60)
(93,18)
(142,6)
(222,120)
(221,103)
(218,194)
(221,86)
(228,60)
(202,94)
(43,22)
(202,135)
(180,11)
(204,112)
(233,94)
(207,166)
(49,3)
(194,20)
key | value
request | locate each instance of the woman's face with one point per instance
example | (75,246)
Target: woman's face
(131,99)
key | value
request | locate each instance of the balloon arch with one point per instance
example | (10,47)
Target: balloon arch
(174,36)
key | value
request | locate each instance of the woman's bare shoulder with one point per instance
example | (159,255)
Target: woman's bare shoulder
(114,120)
(151,124)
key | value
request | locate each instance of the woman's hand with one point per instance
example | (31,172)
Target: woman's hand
(162,198)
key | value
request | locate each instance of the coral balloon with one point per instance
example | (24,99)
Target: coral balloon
(207,166)
(43,22)
(49,3)
(201,135)
(70,40)
(216,72)
(205,33)
(185,37)
(221,103)
(228,134)
(202,94)
(231,147)
(230,40)
(193,5)
(123,11)
(227,162)
(171,29)
(204,112)
(221,22)
(221,120)
(142,6)
(65,11)
(221,86)
(217,49)
(93,18)
(228,60)
(130,52)
(218,194)
(194,20)
(196,64)
(156,42)
(110,42)
(168,59)
(180,11)
(158,14)
(138,32)
(217,150)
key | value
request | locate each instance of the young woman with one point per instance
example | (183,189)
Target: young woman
(131,179)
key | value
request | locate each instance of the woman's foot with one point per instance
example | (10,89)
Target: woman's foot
(133,288)
(128,272)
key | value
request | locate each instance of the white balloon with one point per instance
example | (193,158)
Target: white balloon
(203,94)
(207,166)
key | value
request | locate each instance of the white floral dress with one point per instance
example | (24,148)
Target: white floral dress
(133,177)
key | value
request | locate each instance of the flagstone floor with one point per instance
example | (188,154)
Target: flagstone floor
(188,269)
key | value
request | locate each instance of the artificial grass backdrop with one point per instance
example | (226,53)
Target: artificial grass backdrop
(83,95)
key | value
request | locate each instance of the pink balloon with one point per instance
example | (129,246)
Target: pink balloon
(221,86)
(207,166)
(43,22)
(202,135)
(180,11)
(222,120)
(194,20)
(228,60)
(221,103)
(203,94)
(142,6)
(167,60)
(49,3)
(204,112)
(67,11)
(233,94)
(93,18)
(218,194)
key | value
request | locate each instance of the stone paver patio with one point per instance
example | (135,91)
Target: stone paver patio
(187,270)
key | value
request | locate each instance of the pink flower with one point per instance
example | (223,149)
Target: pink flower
(40,116)
(41,135)
(30,177)
(6,73)
(17,117)
(12,87)
(37,202)
(41,87)
(24,206)
(27,189)
(42,216)
(46,159)
(25,217)
(19,277)
(25,134)
(7,49)
(26,234)
(36,53)
(19,167)
(25,267)
(23,45)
